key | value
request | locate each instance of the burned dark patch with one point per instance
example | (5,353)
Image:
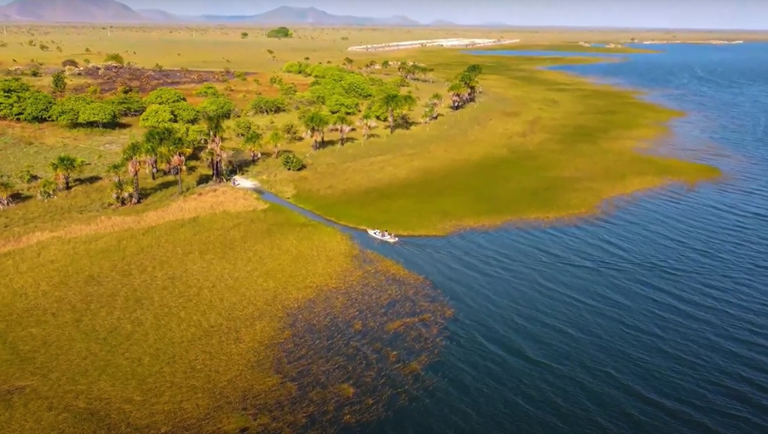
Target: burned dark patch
(109,78)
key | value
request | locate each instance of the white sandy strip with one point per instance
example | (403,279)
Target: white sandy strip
(248,184)
(456,42)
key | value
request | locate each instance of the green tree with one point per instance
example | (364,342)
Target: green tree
(157,116)
(275,139)
(243,35)
(242,127)
(217,107)
(127,104)
(64,167)
(207,90)
(348,63)
(316,122)
(290,131)
(367,123)
(184,113)
(268,106)
(59,83)
(280,33)
(67,110)
(343,125)
(37,107)
(164,96)
(132,155)
(252,144)
(98,114)
(394,103)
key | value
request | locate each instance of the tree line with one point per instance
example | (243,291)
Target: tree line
(339,99)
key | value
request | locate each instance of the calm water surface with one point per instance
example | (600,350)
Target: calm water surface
(652,319)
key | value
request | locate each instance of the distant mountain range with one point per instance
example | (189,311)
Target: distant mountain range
(112,11)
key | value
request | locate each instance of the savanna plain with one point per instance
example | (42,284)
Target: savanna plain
(142,293)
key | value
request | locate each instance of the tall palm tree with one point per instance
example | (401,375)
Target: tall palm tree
(153,142)
(395,103)
(316,122)
(367,123)
(252,143)
(215,125)
(64,166)
(344,125)
(178,164)
(132,157)
(275,138)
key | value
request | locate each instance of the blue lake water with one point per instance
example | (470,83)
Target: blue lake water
(652,319)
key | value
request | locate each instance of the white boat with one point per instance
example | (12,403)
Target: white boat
(380,236)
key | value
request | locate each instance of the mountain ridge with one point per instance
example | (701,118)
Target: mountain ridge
(113,11)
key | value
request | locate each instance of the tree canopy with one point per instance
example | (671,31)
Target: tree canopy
(280,33)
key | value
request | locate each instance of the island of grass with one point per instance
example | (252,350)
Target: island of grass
(141,293)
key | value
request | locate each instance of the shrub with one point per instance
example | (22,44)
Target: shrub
(70,62)
(156,116)
(244,35)
(164,96)
(207,90)
(98,114)
(115,58)
(26,176)
(240,75)
(66,111)
(127,104)
(280,33)
(218,107)
(47,189)
(59,83)
(37,107)
(242,127)
(35,72)
(292,162)
(184,113)
(268,106)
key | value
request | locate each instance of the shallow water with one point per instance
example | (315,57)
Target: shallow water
(652,319)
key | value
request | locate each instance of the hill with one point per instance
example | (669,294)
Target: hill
(85,11)
(158,15)
(309,16)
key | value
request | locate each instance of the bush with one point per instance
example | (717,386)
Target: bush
(70,62)
(115,58)
(240,75)
(184,113)
(268,106)
(207,90)
(127,104)
(98,114)
(156,116)
(244,35)
(26,175)
(37,107)
(292,163)
(164,96)
(35,72)
(242,127)
(66,111)
(59,83)
(280,33)
(218,107)
(47,189)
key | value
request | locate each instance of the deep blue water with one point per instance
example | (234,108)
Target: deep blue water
(651,319)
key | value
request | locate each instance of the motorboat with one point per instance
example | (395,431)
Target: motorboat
(379,235)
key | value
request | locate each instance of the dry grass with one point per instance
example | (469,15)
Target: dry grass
(206,201)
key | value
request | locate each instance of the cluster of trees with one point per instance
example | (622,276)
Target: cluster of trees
(21,102)
(64,168)
(280,33)
(466,87)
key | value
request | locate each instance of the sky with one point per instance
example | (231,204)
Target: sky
(702,14)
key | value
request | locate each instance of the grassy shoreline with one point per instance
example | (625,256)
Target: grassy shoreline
(587,150)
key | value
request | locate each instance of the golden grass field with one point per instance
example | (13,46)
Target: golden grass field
(203,313)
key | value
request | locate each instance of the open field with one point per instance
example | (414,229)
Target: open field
(208,311)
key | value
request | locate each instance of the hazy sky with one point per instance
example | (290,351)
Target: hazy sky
(712,14)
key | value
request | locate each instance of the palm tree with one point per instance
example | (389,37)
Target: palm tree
(367,123)
(252,144)
(64,166)
(153,142)
(215,125)
(394,103)
(275,138)
(343,123)
(132,158)
(348,62)
(316,122)
(178,164)
(7,190)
